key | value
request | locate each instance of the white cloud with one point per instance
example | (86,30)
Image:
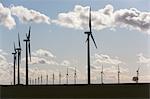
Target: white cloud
(25,15)
(39,60)
(29,15)
(78,18)
(133,18)
(142,59)
(43,53)
(65,63)
(106,17)
(5,17)
(101,58)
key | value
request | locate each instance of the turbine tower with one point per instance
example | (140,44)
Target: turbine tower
(102,73)
(41,78)
(38,80)
(75,76)
(47,79)
(27,41)
(19,58)
(137,75)
(89,34)
(136,78)
(67,76)
(53,78)
(59,77)
(14,54)
(118,74)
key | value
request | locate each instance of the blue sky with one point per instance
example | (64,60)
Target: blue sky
(69,43)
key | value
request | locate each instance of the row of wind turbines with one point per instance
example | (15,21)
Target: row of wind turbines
(17,52)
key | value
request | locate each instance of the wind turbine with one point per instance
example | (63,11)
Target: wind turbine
(14,54)
(38,80)
(59,77)
(47,79)
(75,76)
(102,74)
(27,41)
(89,34)
(53,78)
(136,78)
(41,78)
(137,75)
(35,81)
(19,58)
(67,76)
(118,74)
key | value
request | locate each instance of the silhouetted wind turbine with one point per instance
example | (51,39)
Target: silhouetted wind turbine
(136,78)
(59,77)
(35,81)
(118,74)
(102,73)
(67,76)
(14,54)
(75,76)
(38,80)
(47,79)
(89,34)
(41,79)
(137,74)
(19,58)
(27,41)
(53,78)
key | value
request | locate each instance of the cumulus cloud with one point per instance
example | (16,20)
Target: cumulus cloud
(142,59)
(101,58)
(43,53)
(29,15)
(78,18)
(6,18)
(25,15)
(106,17)
(39,60)
(65,63)
(133,18)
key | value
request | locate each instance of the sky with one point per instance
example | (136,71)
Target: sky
(121,29)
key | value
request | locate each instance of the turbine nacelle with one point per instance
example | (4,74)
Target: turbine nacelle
(88,33)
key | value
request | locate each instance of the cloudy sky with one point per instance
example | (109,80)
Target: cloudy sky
(121,29)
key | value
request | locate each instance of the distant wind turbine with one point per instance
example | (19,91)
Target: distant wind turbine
(59,77)
(19,58)
(102,74)
(89,34)
(118,74)
(136,78)
(27,41)
(47,79)
(14,54)
(41,79)
(75,76)
(38,80)
(67,76)
(53,79)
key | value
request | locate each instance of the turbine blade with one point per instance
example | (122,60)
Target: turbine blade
(93,40)
(29,51)
(19,41)
(86,40)
(29,32)
(14,47)
(138,69)
(90,26)
(26,35)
